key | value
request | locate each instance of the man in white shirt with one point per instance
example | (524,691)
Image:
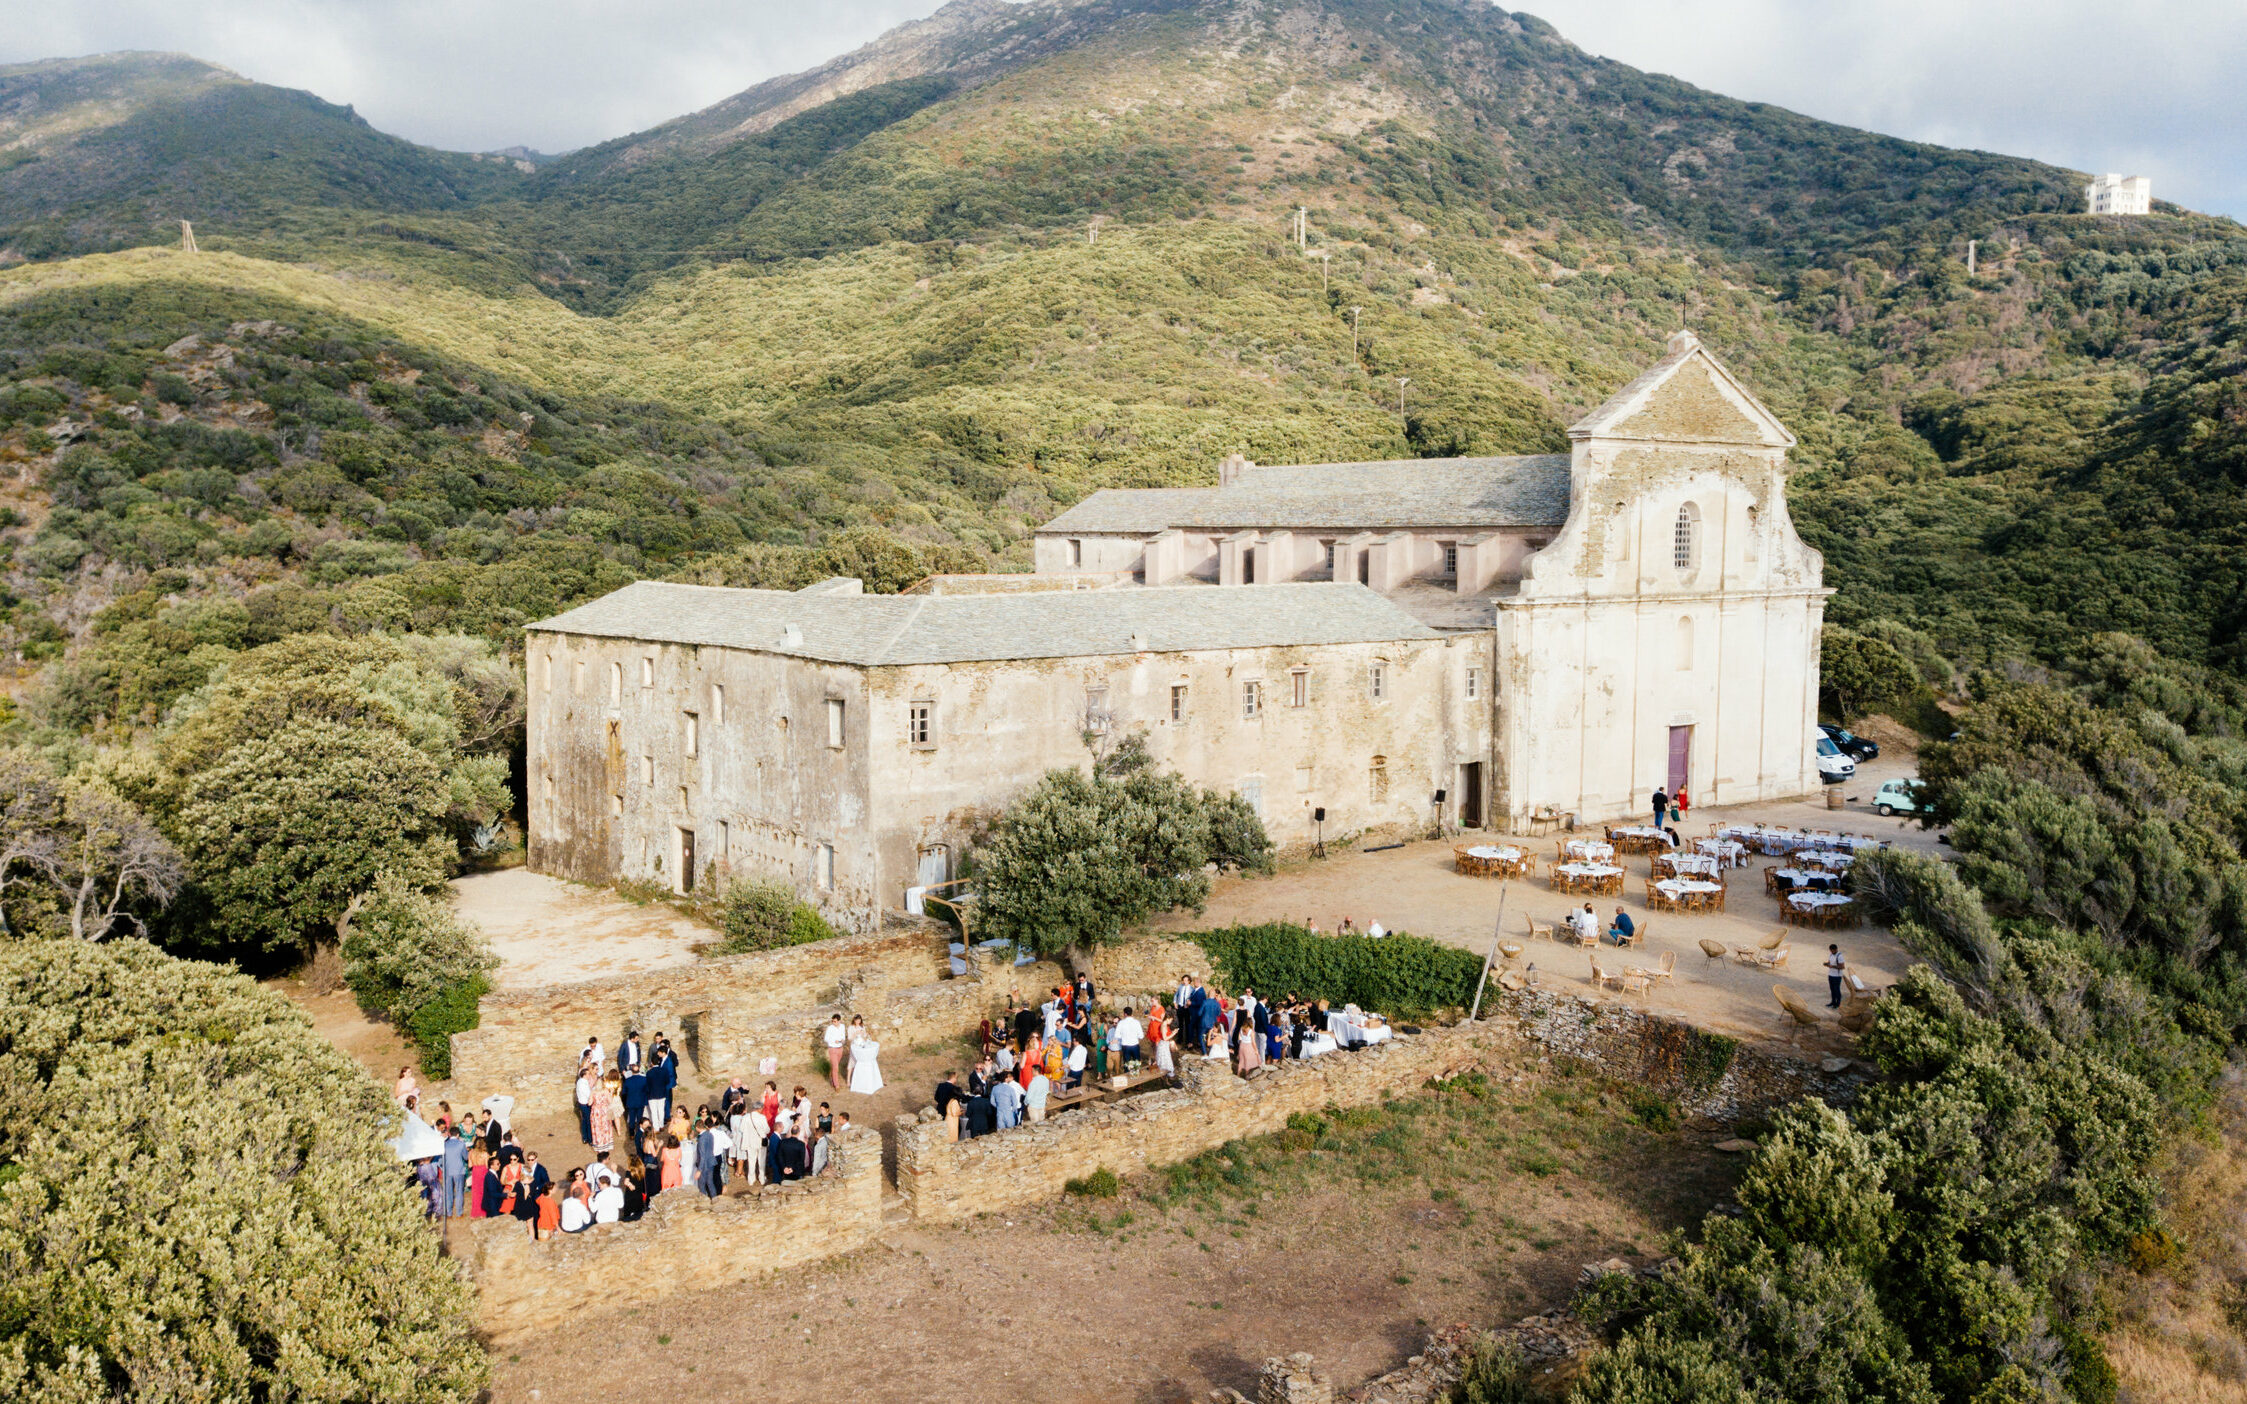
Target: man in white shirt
(1129,1033)
(577,1216)
(585,1104)
(1035,1094)
(600,1172)
(1076,1064)
(1837,970)
(594,1055)
(608,1203)
(836,1036)
(1052,1011)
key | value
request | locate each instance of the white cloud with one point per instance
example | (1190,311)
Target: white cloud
(2148,88)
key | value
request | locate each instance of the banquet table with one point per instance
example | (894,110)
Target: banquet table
(1826,858)
(1689,862)
(1590,872)
(1590,850)
(1731,852)
(1316,1043)
(1812,901)
(1641,831)
(1502,855)
(1800,876)
(1675,888)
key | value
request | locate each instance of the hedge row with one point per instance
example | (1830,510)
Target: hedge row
(1397,975)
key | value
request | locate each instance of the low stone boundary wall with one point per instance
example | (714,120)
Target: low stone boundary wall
(686,1243)
(946,1181)
(728,1013)
(527,1042)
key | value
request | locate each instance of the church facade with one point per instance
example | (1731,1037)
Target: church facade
(1652,617)
(1354,648)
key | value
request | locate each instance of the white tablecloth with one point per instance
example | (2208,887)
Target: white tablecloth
(1317,1043)
(1678,887)
(1375,1033)
(1591,870)
(1590,849)
(1729,851)
(1826,858)
(1811,901)
(1688,862)
(1503,855)
(1642,831)
(1802,875)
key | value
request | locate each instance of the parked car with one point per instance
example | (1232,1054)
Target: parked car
(1853,746)
(1833,766)
(1901,797)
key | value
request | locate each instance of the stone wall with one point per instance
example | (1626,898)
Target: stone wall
(727,1014)
(528,1041)
(686,1243)
(946,1181)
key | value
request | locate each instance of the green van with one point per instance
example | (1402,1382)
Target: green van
(1901,797)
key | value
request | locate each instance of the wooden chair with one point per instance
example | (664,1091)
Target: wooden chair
(1638,934)
(1540,930)
(1776,960)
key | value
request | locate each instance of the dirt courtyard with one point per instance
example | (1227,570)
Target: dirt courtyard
(1414,889)
(547,931)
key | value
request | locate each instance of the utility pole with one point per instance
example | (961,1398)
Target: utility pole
(1325,260)
(187,238)
(1402,381)
(1354,333)
(1497,934)
(1302,227)
(1970,243)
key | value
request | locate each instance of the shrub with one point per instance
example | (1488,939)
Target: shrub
(1494,1374)
(407,948)
(432,1026)
(1402,976)
(1100,1184)
(202,1204)
(761,914)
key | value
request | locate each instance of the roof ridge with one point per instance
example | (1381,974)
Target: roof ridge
(888,646)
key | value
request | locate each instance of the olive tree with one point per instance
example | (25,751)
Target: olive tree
(1077,859)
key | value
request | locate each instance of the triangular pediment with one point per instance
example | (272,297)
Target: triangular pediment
(1686,397)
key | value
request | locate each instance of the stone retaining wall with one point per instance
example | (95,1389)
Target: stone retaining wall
(686,1243)
(946,1181)
(728,1013)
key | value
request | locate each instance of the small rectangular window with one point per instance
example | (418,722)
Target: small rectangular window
(693,733)
(549,672)
(725,839)
(1474,683)
(1329,556)
(920,725)
(717,705)
(616,683)
(1096,716)
(1252,700)
(647,770)
(616,806)
(823,867)
(1076,552)
(1178,702)
(835,722)
(1299,688)
(1377,683)
(1451,558)
(577,676)
(684,803)
(647,672)
(549,789)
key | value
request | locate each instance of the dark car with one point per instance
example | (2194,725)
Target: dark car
(1852,746)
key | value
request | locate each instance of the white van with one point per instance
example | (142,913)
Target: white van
(1833,766)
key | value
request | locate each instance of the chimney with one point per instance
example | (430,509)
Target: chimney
(1230,468)
(791,636)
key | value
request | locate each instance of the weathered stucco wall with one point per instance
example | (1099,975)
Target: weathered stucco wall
(685,1244)
(631,745)
(1000,726)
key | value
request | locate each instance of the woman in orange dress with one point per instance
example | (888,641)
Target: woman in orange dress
(671,1175)
(1033,1057)
(1158,1037)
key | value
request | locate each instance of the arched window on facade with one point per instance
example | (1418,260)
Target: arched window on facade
(1685,540)
(1685,643)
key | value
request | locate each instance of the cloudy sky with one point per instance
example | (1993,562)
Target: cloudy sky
(2151,87)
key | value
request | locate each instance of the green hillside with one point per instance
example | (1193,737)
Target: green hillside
(951,282)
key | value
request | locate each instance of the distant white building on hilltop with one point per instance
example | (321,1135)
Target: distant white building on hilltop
(2121,195)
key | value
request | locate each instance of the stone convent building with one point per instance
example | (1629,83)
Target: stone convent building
(1350,646)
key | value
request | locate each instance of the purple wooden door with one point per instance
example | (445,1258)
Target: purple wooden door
(1681,756)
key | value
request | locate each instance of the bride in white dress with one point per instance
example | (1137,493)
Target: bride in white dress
(865,1065)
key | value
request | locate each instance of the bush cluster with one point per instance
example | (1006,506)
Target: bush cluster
(411,959)
(199,1202)
(1398,975)
(762,914)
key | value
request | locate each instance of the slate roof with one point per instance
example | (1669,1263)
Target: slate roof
(1390,495)
(879,630)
